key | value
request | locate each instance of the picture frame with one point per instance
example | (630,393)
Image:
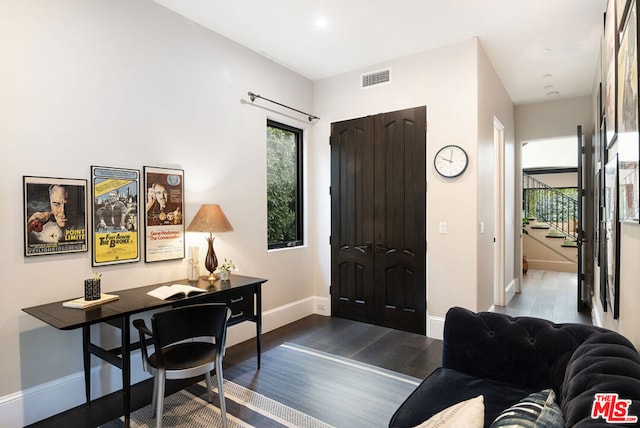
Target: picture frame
(55,215)
(622,7)
(610,42)
(628,121)
(163,214)
(114,214)
(612,234)
(598,217)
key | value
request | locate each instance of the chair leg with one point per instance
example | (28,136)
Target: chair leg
(220,377)
(154,396)
(160,400)
(207,376)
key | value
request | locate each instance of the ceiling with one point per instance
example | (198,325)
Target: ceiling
(541,49)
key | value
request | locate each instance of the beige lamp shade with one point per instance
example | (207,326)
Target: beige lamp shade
(210,218)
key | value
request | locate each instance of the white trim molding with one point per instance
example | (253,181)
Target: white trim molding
(435,327)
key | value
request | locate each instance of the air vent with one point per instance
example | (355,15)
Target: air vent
(375,78)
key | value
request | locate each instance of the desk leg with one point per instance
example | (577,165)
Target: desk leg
(259,321)
(86,359)
(126,369)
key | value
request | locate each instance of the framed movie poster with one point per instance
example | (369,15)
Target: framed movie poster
(163,214)
(609,73)
(115,215)
(612,235)
(55,215)
(628,135)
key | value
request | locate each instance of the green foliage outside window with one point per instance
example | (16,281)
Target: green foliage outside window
(283,186)
(551,204)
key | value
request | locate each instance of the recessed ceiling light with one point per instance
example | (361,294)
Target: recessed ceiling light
(548,86)
(545,51)
(546,76)
(553,93)
(321,22)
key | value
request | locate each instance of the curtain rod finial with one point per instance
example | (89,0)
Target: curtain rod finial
(252,96)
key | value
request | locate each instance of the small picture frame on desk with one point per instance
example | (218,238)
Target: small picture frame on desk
(55,215)
(163,214)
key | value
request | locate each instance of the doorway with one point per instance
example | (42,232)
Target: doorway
(378,219)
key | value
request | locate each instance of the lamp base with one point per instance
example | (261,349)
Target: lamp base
(211,261)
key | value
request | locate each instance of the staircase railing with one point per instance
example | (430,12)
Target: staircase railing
(549,205)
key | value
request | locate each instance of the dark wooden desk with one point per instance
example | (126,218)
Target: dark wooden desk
(242,294)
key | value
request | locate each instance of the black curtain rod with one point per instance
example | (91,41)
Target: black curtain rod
(253,97)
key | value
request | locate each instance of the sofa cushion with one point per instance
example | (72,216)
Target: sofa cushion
(445,387)
(468,414)
(537,410)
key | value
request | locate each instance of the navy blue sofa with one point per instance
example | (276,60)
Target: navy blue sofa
(507,358)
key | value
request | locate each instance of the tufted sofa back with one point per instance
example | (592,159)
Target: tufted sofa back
(525,351)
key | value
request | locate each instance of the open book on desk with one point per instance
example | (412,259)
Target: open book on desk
(175,291)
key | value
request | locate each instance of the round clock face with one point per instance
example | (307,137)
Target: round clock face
(451,161)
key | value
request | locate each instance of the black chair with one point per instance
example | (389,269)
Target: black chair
(188,341)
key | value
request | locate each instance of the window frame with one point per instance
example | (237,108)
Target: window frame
(299,191)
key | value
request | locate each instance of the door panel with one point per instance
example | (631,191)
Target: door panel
(400,219)
(352,219)
(378,185)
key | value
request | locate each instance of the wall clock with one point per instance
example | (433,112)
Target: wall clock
(451,161)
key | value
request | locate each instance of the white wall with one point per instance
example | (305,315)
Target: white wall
(446,81)
(494,103)
(128,84)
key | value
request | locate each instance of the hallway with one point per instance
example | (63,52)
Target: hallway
(549,295)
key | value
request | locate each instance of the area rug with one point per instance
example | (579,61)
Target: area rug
(295,387)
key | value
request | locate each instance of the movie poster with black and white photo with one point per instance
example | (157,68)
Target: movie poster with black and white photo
(115,215)
(55,215)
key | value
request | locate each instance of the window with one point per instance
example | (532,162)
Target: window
(284,185)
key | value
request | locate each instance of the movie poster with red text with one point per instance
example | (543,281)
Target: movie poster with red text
(55,216)
(163,214)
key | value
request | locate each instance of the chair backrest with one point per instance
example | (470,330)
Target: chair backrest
(188,322)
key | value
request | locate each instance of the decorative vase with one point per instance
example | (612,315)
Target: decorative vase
(224,275)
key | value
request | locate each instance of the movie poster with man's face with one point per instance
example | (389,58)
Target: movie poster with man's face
(55,215)
(163,214)
(115,215)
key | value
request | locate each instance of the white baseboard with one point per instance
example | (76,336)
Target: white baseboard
(510,291)
(435,327)
(42,401)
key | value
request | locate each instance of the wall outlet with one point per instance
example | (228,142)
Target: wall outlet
(443,227)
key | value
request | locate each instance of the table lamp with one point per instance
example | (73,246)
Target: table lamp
(210,218)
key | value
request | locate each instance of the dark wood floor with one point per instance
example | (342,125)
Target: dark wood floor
(403,352)
(550,295)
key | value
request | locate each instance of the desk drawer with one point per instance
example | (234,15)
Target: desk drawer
(239,301)
(241,305)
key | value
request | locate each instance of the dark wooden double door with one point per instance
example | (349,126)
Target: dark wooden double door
(378,219)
